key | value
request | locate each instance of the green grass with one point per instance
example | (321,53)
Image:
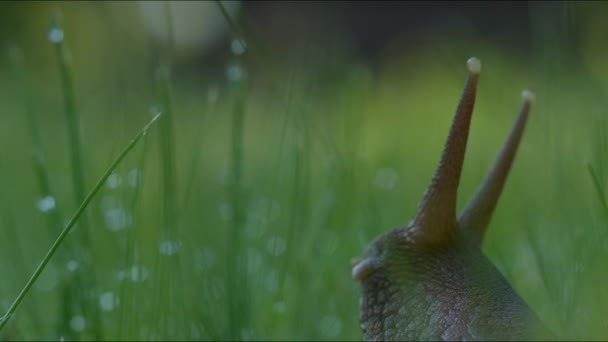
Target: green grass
(238,218)
(75,289)
(77,216)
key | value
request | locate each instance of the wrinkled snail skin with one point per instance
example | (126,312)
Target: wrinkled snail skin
(429,279)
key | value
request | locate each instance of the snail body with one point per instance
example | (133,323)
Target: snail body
(429,279)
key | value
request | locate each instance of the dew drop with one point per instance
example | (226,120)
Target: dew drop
(114,181)
(77,323)
(234,72)
(107,301)
(117,219)
(138,274)
(121,276)
(55,35)
(169,247)
(46,204)
(238,46)
(72,265)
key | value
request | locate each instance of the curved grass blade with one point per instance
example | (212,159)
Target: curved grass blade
(72,222)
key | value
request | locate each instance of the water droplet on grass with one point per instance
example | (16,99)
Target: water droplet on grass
(78,323)
(117,219)
(46,204)
(169,247)
(238,46)
(121,276)
(55,35)
(72,265)
(234,72)
(138,273)
(107,301)
(114,181)
(135,274)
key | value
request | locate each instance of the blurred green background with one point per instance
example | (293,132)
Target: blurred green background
(293,133)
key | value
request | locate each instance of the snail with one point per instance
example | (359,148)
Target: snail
(429,279)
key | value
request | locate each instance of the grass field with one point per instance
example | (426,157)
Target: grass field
(236,215)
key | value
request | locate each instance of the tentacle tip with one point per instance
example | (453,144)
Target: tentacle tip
(528,96)
(362,268)
(474,65)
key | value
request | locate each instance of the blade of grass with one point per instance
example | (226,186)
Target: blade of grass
(209,110)
(126,321)
(18,252)
(40,169)
(167,150)
(239,294)
(598,187)
(168,298)
(54,217)
(81,283)
(73,221)
(72,119)
(246,37)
